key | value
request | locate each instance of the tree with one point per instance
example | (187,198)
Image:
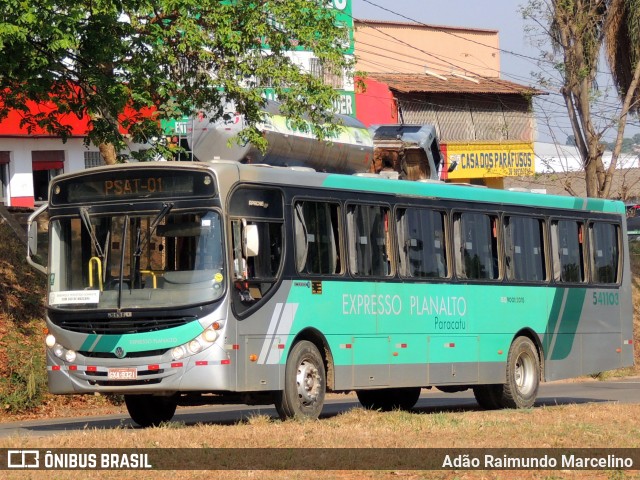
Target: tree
(128,64)
(579,30)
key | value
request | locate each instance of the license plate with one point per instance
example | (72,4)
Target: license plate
(122,374)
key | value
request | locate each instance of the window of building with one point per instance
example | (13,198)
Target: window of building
(4,175)
(46,164)
(476,246)
(93,159)
(369,240)
(604,252)
(317,238)
(421,243)
(567,246)
(328,74)
(524,249)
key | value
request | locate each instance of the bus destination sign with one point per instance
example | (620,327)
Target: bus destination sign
(132,184)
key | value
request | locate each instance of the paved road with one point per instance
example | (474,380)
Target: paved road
(558,393)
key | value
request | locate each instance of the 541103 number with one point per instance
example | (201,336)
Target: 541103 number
(605,298)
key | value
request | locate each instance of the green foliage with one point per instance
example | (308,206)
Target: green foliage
(118,60)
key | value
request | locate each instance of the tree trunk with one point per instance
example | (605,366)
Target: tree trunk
(591,178)
(108,152)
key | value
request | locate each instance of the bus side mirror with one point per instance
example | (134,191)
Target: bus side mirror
(34,224)
(251,245)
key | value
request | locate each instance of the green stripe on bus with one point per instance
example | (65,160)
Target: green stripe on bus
(563,321)
(453,192)
(140,342)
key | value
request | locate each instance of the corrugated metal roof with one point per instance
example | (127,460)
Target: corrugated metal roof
(423,83)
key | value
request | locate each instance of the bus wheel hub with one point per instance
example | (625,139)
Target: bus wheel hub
(308,381)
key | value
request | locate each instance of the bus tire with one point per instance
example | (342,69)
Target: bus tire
(488,396)
(304,383)
(151,410)
(523,375)
(388,399)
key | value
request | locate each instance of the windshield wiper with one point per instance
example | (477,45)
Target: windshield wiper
(86,220)
(140,242)
(166,208)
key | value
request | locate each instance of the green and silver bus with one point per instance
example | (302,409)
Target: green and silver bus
(179,283)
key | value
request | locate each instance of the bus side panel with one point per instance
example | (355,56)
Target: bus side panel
(417,334)
(264,339)
(445,367)
(584,334)
(409,334)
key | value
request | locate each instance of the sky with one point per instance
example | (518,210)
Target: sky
(518,56)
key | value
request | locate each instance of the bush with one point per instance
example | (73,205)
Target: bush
(23,384)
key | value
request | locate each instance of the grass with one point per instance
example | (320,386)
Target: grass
(22,366)
(565,426)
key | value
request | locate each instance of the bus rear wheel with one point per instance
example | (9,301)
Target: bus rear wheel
(151,410)
(304,383)
(388,399)
(523,376)
(488,396)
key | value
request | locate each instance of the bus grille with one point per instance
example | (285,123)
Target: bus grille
(146,353)
(121,326)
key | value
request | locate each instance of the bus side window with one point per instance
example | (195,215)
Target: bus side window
(567,242)
(421,243)
(255,275)
(604,251)
(524,249)
(476,246)
(317,238)
(369,237)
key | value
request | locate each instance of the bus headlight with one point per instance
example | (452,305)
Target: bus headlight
(178,352)
(194,346)
(201,342)
(58,350)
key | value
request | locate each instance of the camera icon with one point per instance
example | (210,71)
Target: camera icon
(23,459)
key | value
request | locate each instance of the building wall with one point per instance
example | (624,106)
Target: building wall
(375,103)
(20,181)
(471,117)
(487,135)
(411,48)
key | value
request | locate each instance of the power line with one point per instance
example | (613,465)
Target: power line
(448,32)
(442,59)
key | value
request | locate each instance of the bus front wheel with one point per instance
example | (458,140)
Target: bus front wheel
(304,383)
(151,410)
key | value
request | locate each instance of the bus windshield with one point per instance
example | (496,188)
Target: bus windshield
(130,261)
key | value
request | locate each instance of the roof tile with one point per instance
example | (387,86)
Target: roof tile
(423,83)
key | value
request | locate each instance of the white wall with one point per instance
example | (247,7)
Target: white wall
(554,158)
(20,181)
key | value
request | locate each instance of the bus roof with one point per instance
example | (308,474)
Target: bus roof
(429,189)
